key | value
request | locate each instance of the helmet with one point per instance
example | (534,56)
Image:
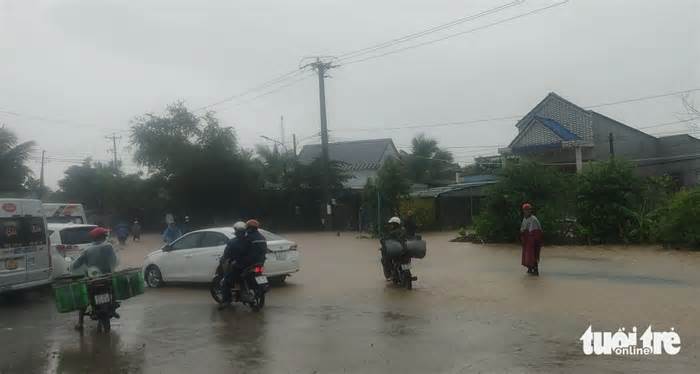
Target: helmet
(395,220)
(252,223)
(239,226)
(98,232)
(527,206)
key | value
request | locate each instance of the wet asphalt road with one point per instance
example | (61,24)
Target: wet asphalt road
(473,310)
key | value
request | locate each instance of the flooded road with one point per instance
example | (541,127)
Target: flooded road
(473,309)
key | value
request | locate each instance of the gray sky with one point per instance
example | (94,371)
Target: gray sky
(97,64)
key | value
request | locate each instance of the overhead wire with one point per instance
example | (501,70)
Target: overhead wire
(419,34)
(432,41)
(268,83)
(518,116)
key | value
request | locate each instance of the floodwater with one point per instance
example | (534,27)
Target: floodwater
(473,310)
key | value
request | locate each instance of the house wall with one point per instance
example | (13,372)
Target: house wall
(628,143)
(687,171)
(569,115)
(678,145)
(358,178)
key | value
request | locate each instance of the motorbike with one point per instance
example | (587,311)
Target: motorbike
(250,289)
(399,256)
(103,305)
(401,272)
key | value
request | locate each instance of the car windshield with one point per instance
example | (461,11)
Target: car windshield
(21,231)
(270,236)
(64,219)
(76,235)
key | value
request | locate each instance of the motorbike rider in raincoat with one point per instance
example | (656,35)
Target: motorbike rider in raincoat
(235,248)
(99,258)
(394,232)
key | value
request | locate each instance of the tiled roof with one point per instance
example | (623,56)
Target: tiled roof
(557,128)
(353,155)
(438,191)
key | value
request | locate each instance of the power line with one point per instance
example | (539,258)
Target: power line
(267,93)
(259,87)
(414,46)
(519,116)
(425,32)
(668,123)
(643,98)
(59,121)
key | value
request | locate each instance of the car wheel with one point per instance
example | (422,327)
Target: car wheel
(154,279)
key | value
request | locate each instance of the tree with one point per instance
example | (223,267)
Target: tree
(428,163)
(274,165)
(679,222)
(547,189)
(606,197)
(121,196)
(14,173)
(204,171)
(392,183)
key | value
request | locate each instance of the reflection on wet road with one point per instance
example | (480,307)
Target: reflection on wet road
(473,310)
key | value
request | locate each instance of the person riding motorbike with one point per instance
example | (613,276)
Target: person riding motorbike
(250,251)
(99,258)
(230,270)
(257,242)
(394,232)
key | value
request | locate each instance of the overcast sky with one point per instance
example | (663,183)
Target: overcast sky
(95,65)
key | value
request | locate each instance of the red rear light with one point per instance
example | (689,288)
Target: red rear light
(258,269)
(61,248)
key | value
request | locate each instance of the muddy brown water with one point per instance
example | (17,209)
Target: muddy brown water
(473,309)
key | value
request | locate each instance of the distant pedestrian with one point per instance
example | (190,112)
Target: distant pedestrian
(531,239)
(122,231)
(136,231)
(185,227)
(409,224)
(171,233)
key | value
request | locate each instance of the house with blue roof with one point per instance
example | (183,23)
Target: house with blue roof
(559,132)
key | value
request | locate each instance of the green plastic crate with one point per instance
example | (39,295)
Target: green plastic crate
(127,284)
(70,296)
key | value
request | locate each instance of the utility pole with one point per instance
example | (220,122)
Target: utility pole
(114,138)
(294,144)
(41,177)
(321,68)
(612,147)
(282,139)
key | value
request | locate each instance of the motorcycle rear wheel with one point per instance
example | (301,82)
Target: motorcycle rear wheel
(258,302)
(215,289)
(104,324)
(407,279)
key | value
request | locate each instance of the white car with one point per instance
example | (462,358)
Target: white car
(194,257)
(67,242)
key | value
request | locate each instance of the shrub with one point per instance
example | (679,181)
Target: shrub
(546,188)
(679,223)
(423,212)
(606,194)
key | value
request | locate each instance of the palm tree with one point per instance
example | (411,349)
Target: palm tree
(14,172)
(428,163)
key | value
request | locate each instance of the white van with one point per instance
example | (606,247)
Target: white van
(25,260)
(64,213)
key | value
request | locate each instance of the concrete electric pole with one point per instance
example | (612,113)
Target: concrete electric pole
(114,138)
(321,68)
(282,137)
(41,177)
